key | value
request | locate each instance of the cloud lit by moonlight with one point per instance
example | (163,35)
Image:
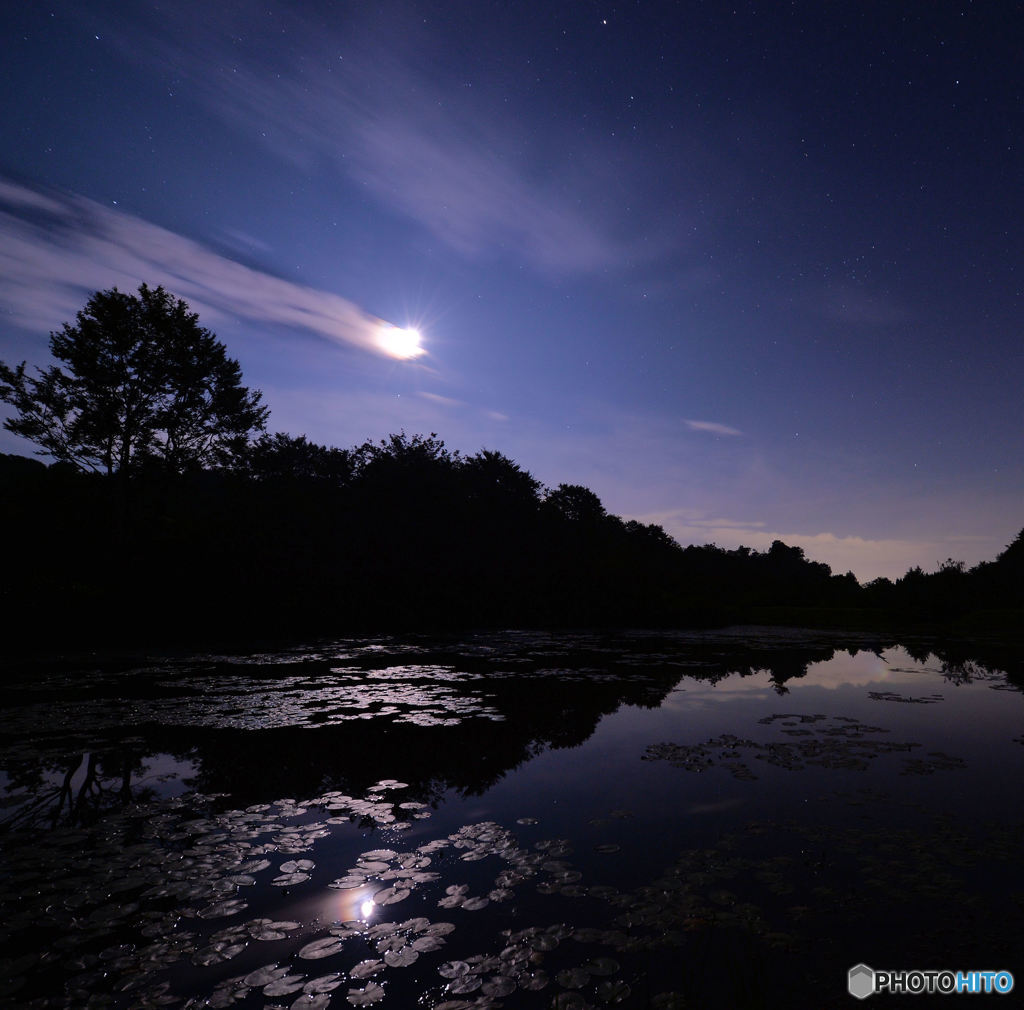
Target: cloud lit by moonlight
(55,247)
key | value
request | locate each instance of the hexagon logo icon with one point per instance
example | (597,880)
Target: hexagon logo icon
(861,981)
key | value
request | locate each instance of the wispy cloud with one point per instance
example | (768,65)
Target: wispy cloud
(444,401)
(54,248)
(713,427)
(387,115)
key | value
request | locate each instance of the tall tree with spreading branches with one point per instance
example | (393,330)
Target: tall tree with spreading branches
(143,384)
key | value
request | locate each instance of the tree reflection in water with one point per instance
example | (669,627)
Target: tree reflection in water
(306,865)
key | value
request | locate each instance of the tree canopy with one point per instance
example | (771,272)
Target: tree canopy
(144,385)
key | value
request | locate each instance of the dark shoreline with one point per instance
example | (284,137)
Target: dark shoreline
(414,540)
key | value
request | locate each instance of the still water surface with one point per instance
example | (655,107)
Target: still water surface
(727,819)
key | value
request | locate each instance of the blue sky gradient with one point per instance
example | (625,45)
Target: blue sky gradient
(746,272)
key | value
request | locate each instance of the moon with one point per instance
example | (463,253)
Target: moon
(400,343)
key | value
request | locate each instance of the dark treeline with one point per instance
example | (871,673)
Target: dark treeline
(170,512)
(404,534)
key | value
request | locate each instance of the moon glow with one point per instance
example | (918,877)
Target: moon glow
(400,343)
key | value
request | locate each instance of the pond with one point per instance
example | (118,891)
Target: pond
(724,819)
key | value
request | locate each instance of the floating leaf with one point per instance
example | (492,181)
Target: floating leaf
(289,879)
(401,958)
(464,984)
(534,981)
(498,985)
(325,983)
(427,943)
(363,997)
(417,925)
(297,866)
(284,986)
(440,928)
(391,942)
(669,1001)
(264,976)
(572,978)
(613,992)
(307,1001)
(347,883)
(265,929)
(324,947)
(366,968)
(222,909)
(217,953)
(391,895)
(569,1001)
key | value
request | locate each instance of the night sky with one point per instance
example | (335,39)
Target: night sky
(747,271)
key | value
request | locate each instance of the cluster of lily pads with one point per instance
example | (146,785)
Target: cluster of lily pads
(117,912)
(841,742)
(424,696)
(927,699)
(282,905)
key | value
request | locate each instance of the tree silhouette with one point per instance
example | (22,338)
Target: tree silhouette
(497,481)
(1013,555)
(145,385)
(284,457)
(575,503)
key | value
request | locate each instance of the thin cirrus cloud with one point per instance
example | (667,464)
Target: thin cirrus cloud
(444,401)
(712,427)
(448,403)
(54,247)
(383,118)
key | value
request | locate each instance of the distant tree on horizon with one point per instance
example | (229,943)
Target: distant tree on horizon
(144,385)
(575,503)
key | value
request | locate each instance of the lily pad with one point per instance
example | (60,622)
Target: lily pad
(284,986)
(297,866)
(289,879)
(265,975)
(391,895)
(322,984)
(364,997)
(324,947)
(222,909)
(366,968)
(401,958)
